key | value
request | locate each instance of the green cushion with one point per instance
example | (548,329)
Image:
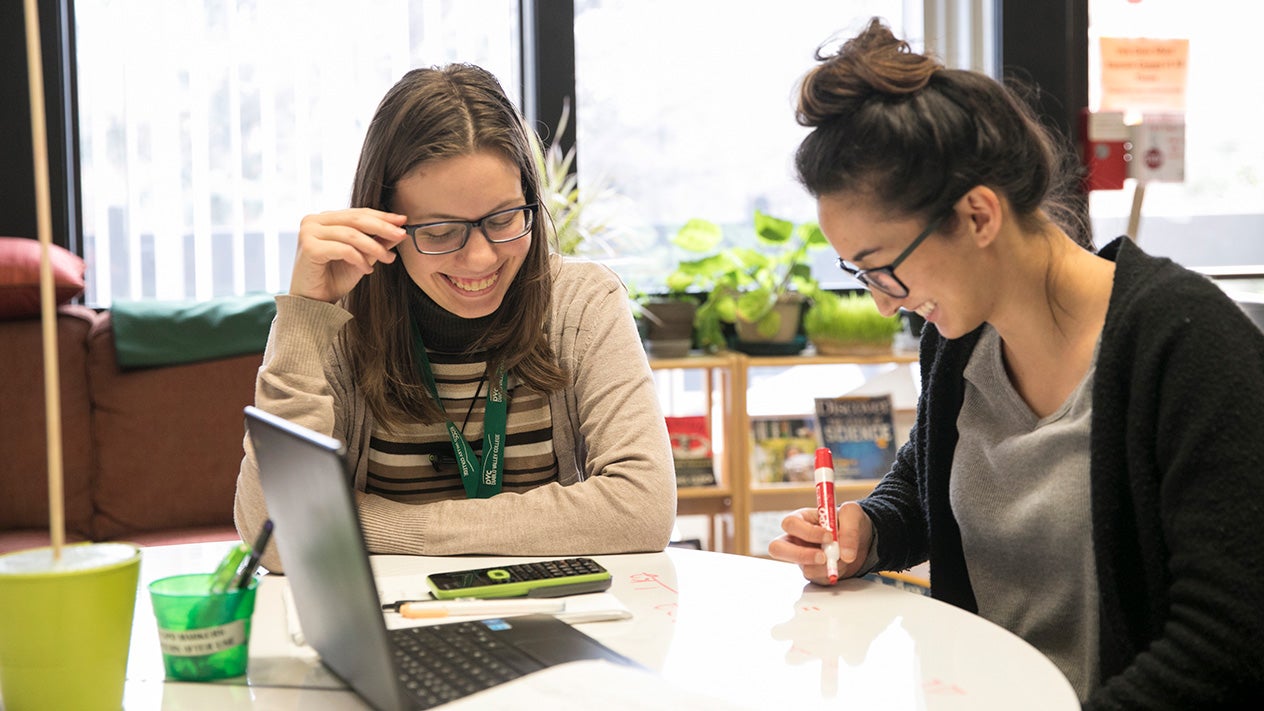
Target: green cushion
(149,333)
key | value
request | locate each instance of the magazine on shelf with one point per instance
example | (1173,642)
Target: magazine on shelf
(783,449)
(860,432)
(691,450)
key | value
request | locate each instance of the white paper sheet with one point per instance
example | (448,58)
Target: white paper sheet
(580,609)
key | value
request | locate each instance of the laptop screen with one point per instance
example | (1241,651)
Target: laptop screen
(317,533)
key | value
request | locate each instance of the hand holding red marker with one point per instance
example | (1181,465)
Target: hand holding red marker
(825,509)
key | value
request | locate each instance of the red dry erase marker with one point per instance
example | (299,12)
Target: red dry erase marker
(825,511)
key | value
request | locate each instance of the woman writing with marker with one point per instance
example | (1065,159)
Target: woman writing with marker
(1087,465)
(492,398)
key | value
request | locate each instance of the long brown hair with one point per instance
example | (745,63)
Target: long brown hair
(431,114)
(916,136)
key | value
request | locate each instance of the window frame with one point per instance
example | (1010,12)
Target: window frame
(17,201)
(1032,42)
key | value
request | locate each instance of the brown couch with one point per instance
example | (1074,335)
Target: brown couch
(150,454)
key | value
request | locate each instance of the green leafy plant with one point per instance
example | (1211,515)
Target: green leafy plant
(744,283)
(851,319)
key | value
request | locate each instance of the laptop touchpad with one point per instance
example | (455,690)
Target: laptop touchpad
(559,650)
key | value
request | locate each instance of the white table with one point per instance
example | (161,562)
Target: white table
(746,630)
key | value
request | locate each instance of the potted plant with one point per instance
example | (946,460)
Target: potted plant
(760,292)
(849,324)
(664,321)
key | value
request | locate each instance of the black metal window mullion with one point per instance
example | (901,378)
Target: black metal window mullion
(548,68)
(17,172)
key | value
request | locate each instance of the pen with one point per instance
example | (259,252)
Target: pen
(479,608)
(256,552)
(825,511)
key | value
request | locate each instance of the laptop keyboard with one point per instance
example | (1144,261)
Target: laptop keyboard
(444,662)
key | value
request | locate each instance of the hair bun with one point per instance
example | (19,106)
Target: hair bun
(871,64)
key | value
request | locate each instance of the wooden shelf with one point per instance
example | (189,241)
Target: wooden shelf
(818,359)
(722,359)
(788,497)
(725,385)
(723,504)
(703,492)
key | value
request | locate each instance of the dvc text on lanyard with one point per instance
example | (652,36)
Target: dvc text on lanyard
(481,479)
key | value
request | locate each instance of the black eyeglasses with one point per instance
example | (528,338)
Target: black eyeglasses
(499,227)
(883,279)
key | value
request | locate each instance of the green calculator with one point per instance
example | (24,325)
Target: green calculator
(550,578)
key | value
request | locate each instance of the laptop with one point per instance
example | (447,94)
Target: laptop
(307,485)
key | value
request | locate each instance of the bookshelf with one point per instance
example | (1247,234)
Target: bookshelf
(725,384)
(723,503)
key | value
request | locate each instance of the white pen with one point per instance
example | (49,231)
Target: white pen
(480,608)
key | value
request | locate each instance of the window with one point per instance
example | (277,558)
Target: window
(687,110)
(1215,217)
(208,128)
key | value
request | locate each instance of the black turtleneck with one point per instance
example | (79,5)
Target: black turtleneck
(442,330)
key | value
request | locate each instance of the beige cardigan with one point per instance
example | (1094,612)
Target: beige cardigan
(616,490)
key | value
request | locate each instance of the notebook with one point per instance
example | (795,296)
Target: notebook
(307,485)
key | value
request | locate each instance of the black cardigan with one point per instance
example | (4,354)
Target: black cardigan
(1177,470)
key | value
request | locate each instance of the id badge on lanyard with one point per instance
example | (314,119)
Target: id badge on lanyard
(481,478)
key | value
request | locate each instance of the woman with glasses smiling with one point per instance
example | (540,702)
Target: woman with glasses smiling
(492,399)
(1087,465)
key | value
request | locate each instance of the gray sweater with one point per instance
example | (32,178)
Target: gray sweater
(616,491)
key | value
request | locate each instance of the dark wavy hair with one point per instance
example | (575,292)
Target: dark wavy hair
(915,136)
(432,114)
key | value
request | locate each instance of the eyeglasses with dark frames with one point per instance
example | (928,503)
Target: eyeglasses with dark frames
(450,236)
(883,279)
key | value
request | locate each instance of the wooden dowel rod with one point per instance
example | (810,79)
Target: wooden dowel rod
(1134,215)
(48,309)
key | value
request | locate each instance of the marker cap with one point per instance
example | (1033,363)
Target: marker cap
(824,458)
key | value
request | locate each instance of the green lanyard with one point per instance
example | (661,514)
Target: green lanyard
(481,479)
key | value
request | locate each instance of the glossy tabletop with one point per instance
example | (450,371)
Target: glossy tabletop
(748,631)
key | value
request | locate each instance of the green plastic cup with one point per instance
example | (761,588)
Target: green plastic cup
(66,626)
(204,635)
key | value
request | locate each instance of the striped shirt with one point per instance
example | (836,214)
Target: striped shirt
(416,464)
